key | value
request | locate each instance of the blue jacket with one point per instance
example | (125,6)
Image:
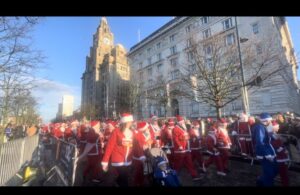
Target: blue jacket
(262,141)
(166,178)
(8,132)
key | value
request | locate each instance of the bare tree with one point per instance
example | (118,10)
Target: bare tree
(212,75)
(18,61)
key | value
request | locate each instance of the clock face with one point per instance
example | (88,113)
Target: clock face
(106,41)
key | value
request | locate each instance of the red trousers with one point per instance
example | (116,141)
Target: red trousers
(197,156)
(92,166)
(185,159)
(139,173)
(283,172)
(246,146)
(224,153)
(215,159)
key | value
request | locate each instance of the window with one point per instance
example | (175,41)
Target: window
(192,68)
(258,49)
(255,28)
(149,71)
(158,56)
(227,24)
(159,67)
(149,60)
(148,50)
(175,74)
(267,99)
(190,56)
(174,61)
(237,105)
(140,65)
(195,108)
(209,62)
(204,20)
(206,33)
(158,45)
(207,49)
(150,82)
(188,28)
(229,39)
(172,38)
(188,43)
(173,50)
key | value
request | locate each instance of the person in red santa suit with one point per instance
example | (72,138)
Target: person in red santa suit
(58,134)
(81,136)
(195,141)
(282,157)
(155,131)
(143,141)
(119,150)
(93,151)
(68,131)
(182,152)
(111,125)
(213,151)
(243,129)
(223,143)
(167,141)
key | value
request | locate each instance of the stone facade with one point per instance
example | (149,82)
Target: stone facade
(163,53)
(105,75)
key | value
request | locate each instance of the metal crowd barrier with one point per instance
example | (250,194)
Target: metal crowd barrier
(65,163)
(14,154)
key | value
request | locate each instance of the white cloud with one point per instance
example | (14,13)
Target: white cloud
(49,94)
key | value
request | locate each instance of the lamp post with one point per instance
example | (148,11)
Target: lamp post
(244,88)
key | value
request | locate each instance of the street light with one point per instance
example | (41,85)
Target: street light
(244,88)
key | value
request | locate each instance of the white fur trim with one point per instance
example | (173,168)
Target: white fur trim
(280,149)
(121,164)
(266,119)
(162,162)
(127,119)
(104,163)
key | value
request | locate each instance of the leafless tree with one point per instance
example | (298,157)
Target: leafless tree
(18,60)
(212,74)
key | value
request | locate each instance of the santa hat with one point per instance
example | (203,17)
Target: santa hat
(251,120)
(275,124)
(57,125)
(94,123)
(265,117)
(222,122)
(126,117)
(161,161)
(171,123)
(112,123)
(142,126)
(179,118)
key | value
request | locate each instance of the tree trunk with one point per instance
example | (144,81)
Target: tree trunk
(219,114)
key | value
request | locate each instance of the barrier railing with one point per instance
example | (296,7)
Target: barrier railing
(14,154)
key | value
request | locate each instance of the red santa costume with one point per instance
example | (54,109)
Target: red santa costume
(93,150)
(57,132)
(214,153)
(142,142)
(182,152)
(108,131)
(243,128)
(167,141)
(119,150)
(155,131)
(281,155)
(195,141)
(223,142)
(81,135)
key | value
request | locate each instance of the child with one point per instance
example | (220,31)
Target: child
(164,175)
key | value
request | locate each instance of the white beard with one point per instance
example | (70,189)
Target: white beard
(62,129)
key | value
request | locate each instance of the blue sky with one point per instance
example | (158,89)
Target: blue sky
(65,42)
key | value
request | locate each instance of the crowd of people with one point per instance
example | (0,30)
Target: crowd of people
(117,145)
(13,132)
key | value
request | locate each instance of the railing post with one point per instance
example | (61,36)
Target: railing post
(22,152)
